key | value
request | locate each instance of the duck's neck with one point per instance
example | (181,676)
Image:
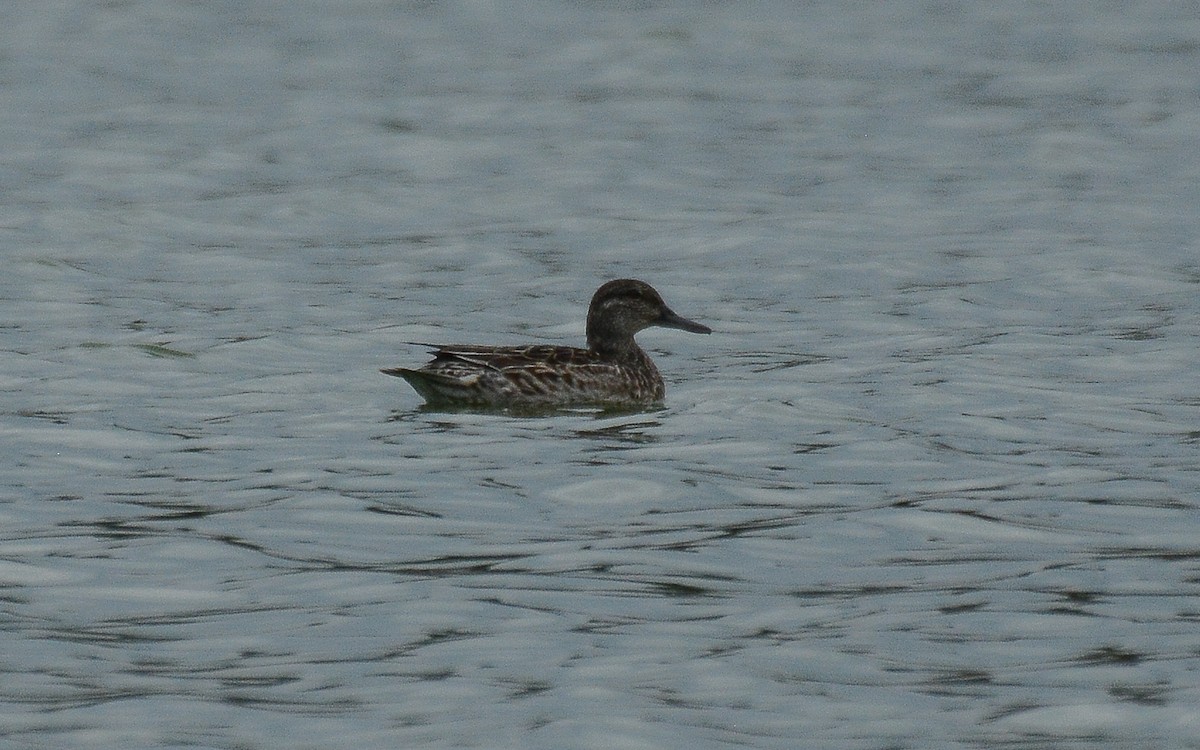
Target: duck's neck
(619,348)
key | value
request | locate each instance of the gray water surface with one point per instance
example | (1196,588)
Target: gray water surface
(932,483)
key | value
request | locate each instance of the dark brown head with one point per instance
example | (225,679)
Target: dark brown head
(623,307)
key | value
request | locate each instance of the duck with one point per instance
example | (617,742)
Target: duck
(612,371)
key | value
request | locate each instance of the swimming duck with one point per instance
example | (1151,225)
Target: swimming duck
(612,370)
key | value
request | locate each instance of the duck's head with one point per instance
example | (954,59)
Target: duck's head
(623,307)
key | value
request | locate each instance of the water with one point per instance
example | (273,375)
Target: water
(931,484)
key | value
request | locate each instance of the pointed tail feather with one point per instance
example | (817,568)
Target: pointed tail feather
(434,387)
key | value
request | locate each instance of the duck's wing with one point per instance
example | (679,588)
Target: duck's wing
(507,358)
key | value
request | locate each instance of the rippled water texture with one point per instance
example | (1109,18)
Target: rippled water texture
(932,483)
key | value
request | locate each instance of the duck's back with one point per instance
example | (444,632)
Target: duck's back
(514,375)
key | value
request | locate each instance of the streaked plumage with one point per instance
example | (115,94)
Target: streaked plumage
(612,370)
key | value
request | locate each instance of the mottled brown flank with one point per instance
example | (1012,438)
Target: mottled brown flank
(612,370)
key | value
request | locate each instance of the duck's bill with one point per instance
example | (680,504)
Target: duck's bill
(671,320)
